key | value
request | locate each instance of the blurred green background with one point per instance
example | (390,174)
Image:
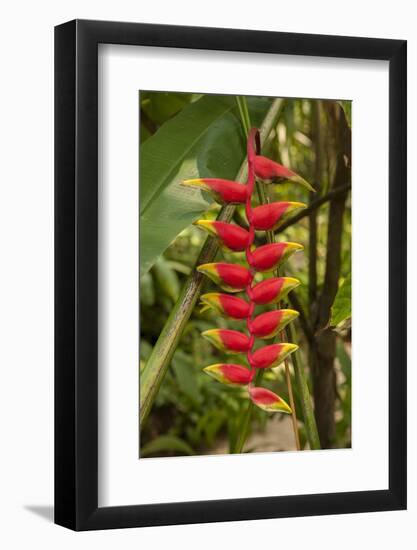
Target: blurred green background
(193,414)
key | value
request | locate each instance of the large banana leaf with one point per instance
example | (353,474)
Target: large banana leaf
(204,140)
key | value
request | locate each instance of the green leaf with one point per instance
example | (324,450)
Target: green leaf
(167,279)
(342,305)
(145,349)
(179,266)
(185,374)
(160,106)
(344,360)
(147,291)
(166,443)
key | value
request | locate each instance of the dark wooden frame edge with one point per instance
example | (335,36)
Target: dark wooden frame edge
(76,176)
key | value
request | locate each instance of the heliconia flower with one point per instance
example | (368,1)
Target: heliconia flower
(234,277)
(266,325)
(223,191)
(268,400)
(231,236)
(273,290)
(230,306)
(270,171)
(268,217)
(232,375)
(271,356)
(269,256)
(230,341)
(231,277)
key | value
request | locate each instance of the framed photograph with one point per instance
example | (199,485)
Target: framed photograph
(225,199)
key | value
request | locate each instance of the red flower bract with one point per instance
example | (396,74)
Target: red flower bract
(271,356)
(231,277)
(269,170)
(230,306)
(231,341)
(268,400)
(234,278)
(272,290)
(231,236)
(266,325)
(268,257)
(231,374)
(267,217)
(223,191)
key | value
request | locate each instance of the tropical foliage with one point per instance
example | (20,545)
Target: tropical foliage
(198,137)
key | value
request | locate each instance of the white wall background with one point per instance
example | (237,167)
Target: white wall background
(26,285)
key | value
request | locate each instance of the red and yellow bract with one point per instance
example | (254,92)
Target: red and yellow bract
(271,356)
(230,341)
(229,306)
(271,291)
(236,278)
(268,217)
(230,374)
(269,324)
(223,191)
(231,236)
(230,277)
(269,256)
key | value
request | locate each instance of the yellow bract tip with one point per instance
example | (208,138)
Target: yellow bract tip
(292,281)
(298,204)
(196,182)
(283,407)
(206,267)
(207,225)
(295,246)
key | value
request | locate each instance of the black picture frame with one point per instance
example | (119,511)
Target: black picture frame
(76,272)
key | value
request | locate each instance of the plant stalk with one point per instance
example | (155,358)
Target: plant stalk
(328,197)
